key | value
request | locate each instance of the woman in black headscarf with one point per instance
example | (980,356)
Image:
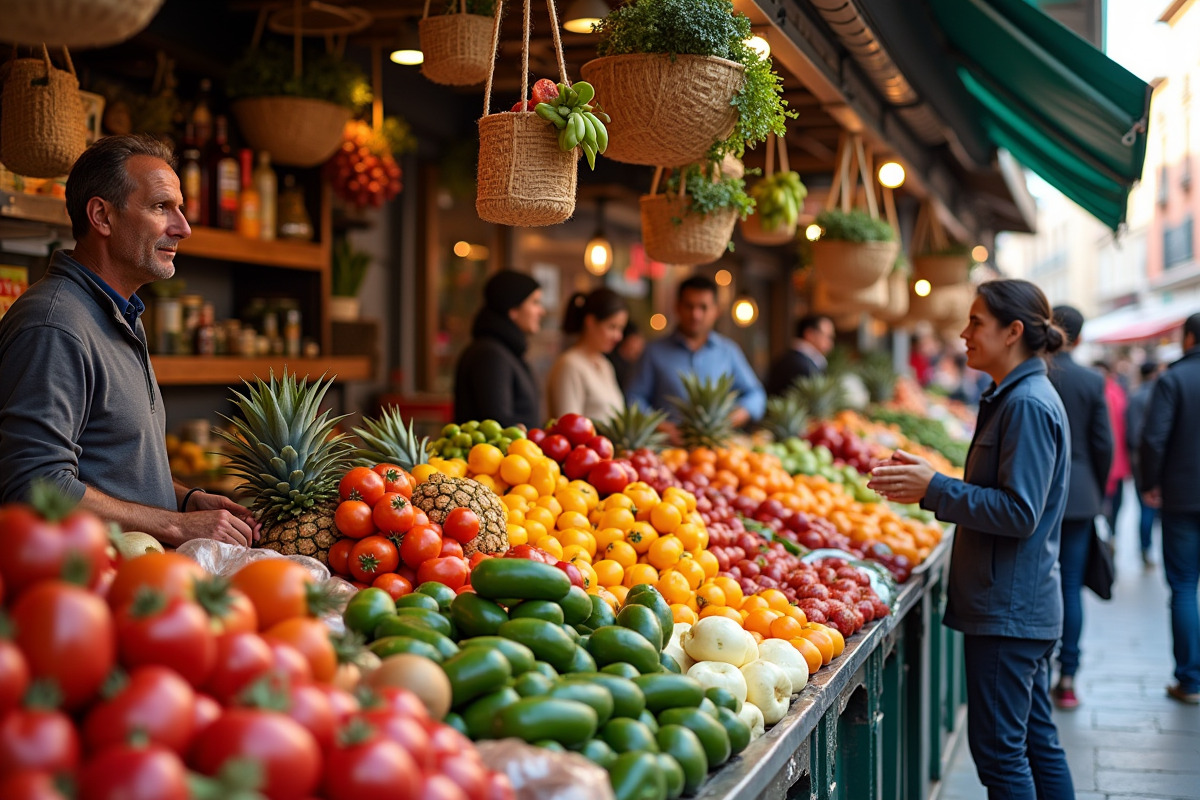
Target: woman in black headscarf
(492,380)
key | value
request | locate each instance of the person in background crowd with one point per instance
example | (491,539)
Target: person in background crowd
(582,380)
(1082,393)
(1135,418)
(1114,490)
(694,347)
(924,356)
(1003,584)
(79,403)
(626,354)
(492,379)
(814,339)
(1170,462)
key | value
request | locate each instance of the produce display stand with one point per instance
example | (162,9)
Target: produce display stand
(878,724)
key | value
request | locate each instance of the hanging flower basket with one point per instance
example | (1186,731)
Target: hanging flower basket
(76,23)
(941,270)
(43,127)
(674,235)
(666,110)
(457,47)
(296,131)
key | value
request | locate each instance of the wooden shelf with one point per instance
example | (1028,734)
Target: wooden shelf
(231,370)
(231,246)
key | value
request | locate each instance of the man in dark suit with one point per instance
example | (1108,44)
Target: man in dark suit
(814,339)
(1082,393)
(1135,418)
(1170,464)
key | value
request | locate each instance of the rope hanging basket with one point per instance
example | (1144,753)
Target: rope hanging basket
(897,298)
(932,259)
(871,299)
(457,47)
(525,178)
(666,110)
(43,127)
(296,131)
(76,23)
(752,226)
(674,235)
(941,270)
(944,306)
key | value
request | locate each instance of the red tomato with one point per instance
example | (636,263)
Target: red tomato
(395,479)
(556,446)
(526,105)
(537,436)
(499,787)
(129,772)
(374,769)
(402,702)
(446,741)
(572,572)
(544,91)
(278,588)
(466,770)
(67,635)
(608,477)
(312,708)
(420,544)
(580,462)
(289,662)
(393,514)
(14,676)
(172,574)
(439,787)
(174,633)
(339,556)
(420,518)
(286,752)
(39,740)
(241,657)
(205,712)
(576,427)
(451,548)
(353,518)
(34,549)
(461,525)
(155,702)
(344,704)
(406,731)
(310,636)
(476,557)
(602,445)
(466,587)
(361,483)
(229,609)
(408,573)
(395,585)
(530,552)
(372,557)
(28,784)
(450,571)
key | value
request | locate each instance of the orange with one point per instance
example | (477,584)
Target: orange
(796,613)
(517,535)
(758,637)
(731,588)
(515,469)
(753,603)
(606,536)
(622,553)
(551,504)
(786,628)
(710,594)
(665,517)
(617,593)
(775,599)
(617,501)
(642,494)
(665,552)
(674,494)
(681,613)
(516,500)
(721,611)
(541,515)
(572,552)
(486,480)
(641,535)
(535,529)
(640,573)
(590,495)
(526,448)
(689,534)
(708,562)
(577,536)
(822,640)
(674,587)
(515,516)
(542,479)
(839,642)
(759,620)
(572,519)
(608,572)
(812,655)
(616,518)
(550,545)
(692,571)
(585,569)
(571,500)
(484,459)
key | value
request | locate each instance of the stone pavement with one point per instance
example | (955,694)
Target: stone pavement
(1126,740)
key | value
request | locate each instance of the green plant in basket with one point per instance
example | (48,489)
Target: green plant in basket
(269,71)
(706,195)
(853,226)
(778,200)
(349,268)
(573,112)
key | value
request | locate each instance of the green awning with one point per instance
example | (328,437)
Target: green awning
(1059,105)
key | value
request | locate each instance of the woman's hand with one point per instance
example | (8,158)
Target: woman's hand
(903,478)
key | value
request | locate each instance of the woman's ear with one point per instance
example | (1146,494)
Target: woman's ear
(1016,330)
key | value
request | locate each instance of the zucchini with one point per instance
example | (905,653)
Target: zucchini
(537,609)
(533,719)
(628,700)
(613,643)
(520,657)
(666,690)
(477,616)
(391,645)
(591,694)
(474,672)
(545,639)
(497,578)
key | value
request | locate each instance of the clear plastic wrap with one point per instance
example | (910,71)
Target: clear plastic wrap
(540,774)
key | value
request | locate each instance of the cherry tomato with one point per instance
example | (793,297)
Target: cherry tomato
(393,514)
(283,748)
(339,556)
(67,635)
(544,91)
(450,571)
(241,657)
(372,557)
(406,731)
(361,483)
(132,772)
(373,769)
(395,585)
(229,609)
(289,662)
(172,574)
(172,632)
(461,525)
(38,739)
(28,784)
(155,702)
(205,712)
(420,544)
(278,588)
(353,518)
(34,549)
(310,636)
(395,479)
(14,676)
(344,704)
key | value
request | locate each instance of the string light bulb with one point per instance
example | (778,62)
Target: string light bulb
(891,175)
(745,311)
(922,288)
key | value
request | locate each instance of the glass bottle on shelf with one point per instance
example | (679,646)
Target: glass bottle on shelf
(206,334)
(191,179)
(294,222)
(226,179)
(202,118)
(193,308)
(291,333)
(265,182)
(249,222)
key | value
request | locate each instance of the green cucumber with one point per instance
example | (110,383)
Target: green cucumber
(583,661)
(519,656)
(545,669)
(628,700)
(455,720)
(477,616)
(598,752)
(438,591)
(474,672)
(545,639)
(497,578)
(622,668)
(602,614)
(417,600)
(643,620)
(637,776)
(669,664)
(367,609)
(685,747)
(612,643)
(574,635)
(708,707)
(723,698)
(672,774)
(576,606)
(537,609)
(708,730)
(592,694)
(666,690)
(415,629)
(647,719)
(739,731)
(391,645)
(551,745)
(433,619)
(646,595)
(532,719)
(628,735)
(533,684)
(480,713)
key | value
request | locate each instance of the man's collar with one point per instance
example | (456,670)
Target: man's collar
(678,337)
(810,350)
(130,307)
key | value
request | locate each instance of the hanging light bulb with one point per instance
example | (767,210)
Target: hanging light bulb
(408,50)
(759,45)
(812,232)
(745,311)
(979,253)
(922,288)
(583,14)
(598,254)
(891,175)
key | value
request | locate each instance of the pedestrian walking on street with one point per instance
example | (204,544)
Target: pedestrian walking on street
(1004,592)
(1170,462)
(1135,419)
(1082,393)
(1118,402)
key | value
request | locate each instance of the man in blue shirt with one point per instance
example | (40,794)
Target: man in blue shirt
(695,348)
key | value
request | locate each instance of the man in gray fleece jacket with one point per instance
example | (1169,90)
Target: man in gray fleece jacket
(79,404)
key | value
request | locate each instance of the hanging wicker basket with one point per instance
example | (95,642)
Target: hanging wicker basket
(76,23)
(43,127)
(666,110)
(897,298)
(752,226)
(457,47)
(847,266)
(944,306)
(942,270)
(296,131)
(872,299)
(674,235)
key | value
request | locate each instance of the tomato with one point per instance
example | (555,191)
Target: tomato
(420,518)
(461,525)
(572,572)
(609,477)
(344,704)
(419,545)
(406,731)
(530,552)
(205,712)
(278,588)
(450,548)
(353,518)
(476,557)
(38,739)
(155,702)
(229,609)
(372,557)
(450,571)
(544,91)
(170,573)
(395,479)
(373,769)
(395,585)
(580,462)
(393,514)
(35,549)
(289,662)
(465,769)
(556,446)
(28,784)
(311,638)
(283,748)
(446,741)
(402,702)
(174,633)
(361,483)
(67,635)
(311,707)
(576,427)
(131,772)
(14,676)
(602,445)
(241,657)
(523,105)
(439,787)
(499,787)
(339,556)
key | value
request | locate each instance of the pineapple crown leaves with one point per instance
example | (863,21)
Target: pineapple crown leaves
(634,428)
(704,414)
(786,416)
(387,440)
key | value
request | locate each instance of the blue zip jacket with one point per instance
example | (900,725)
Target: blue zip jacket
(1008,509)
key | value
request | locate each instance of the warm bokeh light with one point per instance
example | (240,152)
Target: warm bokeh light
(759,45)
(979,253)
(658,322)
(409,58)
(598,256)
(922,288)
(582,14)
(812,232)
(891,175)
(462,249)
(723,277)
(745,311)
(479,252)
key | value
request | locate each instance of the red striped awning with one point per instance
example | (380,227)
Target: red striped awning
(1141,330)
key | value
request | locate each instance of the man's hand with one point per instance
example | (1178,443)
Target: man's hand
(1152,497)
(203,501)
(904,478)
(219,525)
(739,417)
(671,430)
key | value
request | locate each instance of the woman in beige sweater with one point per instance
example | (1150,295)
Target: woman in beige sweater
(582,380)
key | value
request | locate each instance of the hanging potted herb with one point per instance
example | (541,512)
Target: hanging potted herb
(295,110)
(692,221)
(936,258)
(349,269)
(778,199)
(680,81)
(76,23)
(457,45)
(896,309)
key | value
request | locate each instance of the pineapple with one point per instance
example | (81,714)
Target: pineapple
(440,494)
(821,396)
(786,417)
(634,428)
(878,377)
(704,414)
(386,440)
(284,451)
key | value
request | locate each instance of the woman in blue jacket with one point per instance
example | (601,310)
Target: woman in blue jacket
(1004,592)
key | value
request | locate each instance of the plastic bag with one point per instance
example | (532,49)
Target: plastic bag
(539,774)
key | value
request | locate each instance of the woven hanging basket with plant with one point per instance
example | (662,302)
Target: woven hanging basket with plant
(778,200)
(457,45)
(896,309)
(936,258)
(832,300)
(75,23)
(678,79)
(692,221)
(43,126)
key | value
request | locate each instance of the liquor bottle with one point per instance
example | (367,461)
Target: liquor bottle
(249,222)
(294,222)
(191,181)
(226,179)
(205,343)
(265,182)
(202,119)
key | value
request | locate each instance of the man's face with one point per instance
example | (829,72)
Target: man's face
(696,312)
(146,232)
(821,337)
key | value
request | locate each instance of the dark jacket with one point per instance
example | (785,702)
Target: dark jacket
(1170,452)
(1082,393)
(492,380)
(787,369)
(79,403)
(1135,418)
(1004,576)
